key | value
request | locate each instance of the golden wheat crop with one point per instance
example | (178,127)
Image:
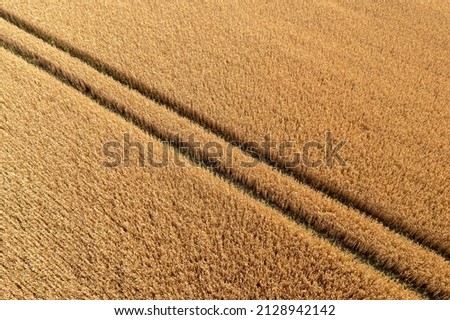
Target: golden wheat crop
(375,74)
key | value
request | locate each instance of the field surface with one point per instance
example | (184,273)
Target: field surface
(371,78)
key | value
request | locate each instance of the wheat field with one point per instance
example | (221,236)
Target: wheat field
(78,75)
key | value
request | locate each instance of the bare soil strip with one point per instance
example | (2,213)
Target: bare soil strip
(424,270)
(403,195)
(76,229)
